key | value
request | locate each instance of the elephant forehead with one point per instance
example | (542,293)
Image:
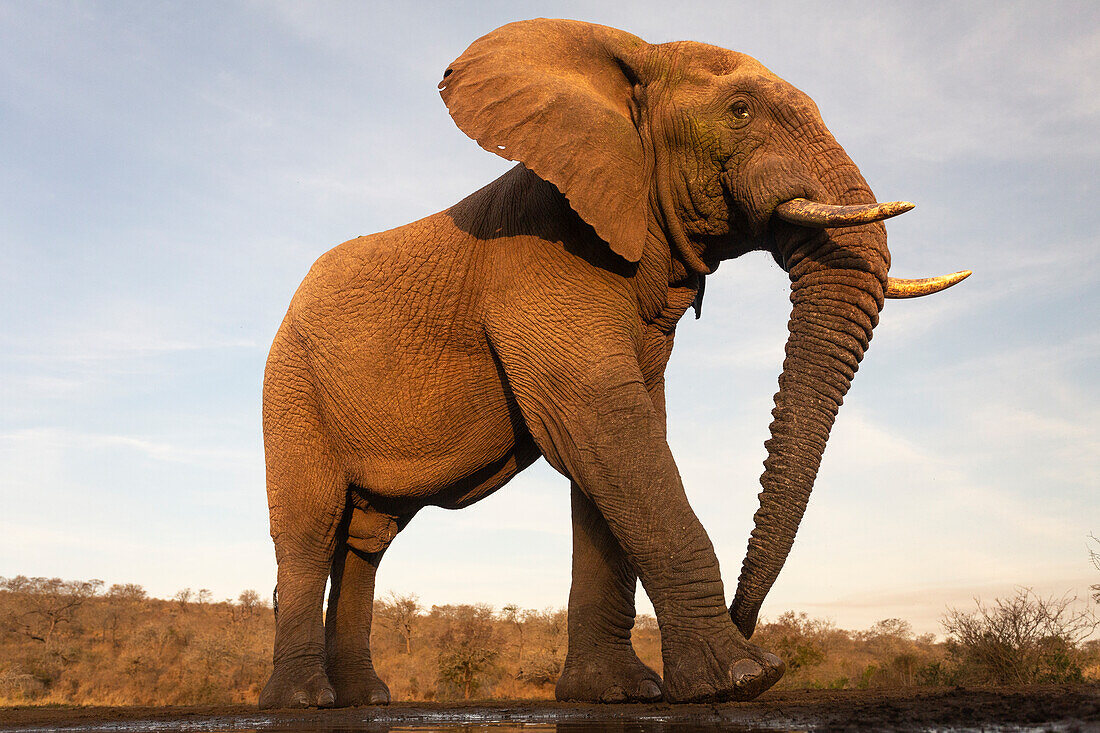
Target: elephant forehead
(702,57)
(702,71)
(702,60)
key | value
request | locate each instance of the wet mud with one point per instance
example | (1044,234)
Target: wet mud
(1039,708)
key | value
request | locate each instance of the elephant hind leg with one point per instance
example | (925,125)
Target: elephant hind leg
(307,492)
(304,527)
(361,544)
(601,665)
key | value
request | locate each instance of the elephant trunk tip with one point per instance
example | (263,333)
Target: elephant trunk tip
(744,616)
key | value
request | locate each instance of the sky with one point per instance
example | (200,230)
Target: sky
(169,172)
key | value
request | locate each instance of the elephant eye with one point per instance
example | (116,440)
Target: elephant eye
(740,110)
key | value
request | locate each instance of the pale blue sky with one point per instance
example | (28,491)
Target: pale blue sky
(169,172)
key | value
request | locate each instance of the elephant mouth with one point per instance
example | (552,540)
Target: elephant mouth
(815,215)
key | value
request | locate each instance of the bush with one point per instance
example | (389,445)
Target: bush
(1019,640)
(1094,556)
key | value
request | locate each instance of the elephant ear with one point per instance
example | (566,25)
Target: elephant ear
(557,96)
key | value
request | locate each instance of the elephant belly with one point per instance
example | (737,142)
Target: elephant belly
(489,478)
(469,470)
(435,427)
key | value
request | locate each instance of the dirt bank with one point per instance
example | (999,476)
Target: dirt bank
(1071,708)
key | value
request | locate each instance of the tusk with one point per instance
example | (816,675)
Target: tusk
(813,214)
(900,287)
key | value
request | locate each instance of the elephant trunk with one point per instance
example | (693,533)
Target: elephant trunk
(836,294)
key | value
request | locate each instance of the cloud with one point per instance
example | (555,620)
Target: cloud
(949,92)
(925,604)
(949,483)
(100,348)
(88,347)
(18,444)
(163,562)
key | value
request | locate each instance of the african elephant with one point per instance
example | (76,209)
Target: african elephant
(428,364)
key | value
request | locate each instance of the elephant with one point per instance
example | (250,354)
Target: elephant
(429,364)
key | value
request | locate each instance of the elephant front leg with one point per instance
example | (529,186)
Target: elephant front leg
(601,665)
(610,439)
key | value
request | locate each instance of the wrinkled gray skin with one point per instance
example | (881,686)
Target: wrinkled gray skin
(428,364)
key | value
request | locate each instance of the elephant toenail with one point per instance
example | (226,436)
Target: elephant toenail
(326,699)
(745,671)
(649,690)
(774,664)
(300,700)
(378,697)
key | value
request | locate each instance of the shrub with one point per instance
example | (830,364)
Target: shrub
(1019,640)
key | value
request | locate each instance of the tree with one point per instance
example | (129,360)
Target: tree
(511,614)
(800,640)
(48,604)
(184,597)
(889,642)
(890,628)
(468,647)
(250,601)
(124,600)
(127,592)
(546,643)
(399,614)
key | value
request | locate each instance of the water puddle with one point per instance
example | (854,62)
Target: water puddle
(264,724)
(259,725)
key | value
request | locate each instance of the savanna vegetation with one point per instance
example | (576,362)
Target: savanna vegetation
(78,642)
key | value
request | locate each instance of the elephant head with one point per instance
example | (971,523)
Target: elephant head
(705,154)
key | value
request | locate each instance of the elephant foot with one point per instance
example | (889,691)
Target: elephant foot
(300,686)
(607,676)
(718,668)
(359,687)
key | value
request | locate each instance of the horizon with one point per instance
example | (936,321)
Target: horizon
(171,174)
(188,595)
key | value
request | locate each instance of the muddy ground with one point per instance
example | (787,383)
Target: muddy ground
(1065,708)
